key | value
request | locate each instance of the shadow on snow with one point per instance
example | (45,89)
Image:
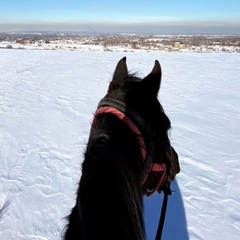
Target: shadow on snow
(175,226)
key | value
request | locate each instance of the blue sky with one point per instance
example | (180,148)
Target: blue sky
(139,14)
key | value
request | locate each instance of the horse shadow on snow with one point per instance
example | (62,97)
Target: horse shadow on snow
(175,226)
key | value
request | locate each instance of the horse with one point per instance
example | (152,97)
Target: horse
(128,155)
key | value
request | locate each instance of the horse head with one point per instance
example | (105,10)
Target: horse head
(128,155)
(141,96)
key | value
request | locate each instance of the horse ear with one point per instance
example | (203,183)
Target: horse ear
(153,80)
(121,70)
(157,69)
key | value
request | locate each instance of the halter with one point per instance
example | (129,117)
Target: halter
(127,114)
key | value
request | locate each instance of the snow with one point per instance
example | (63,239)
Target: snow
(47,100)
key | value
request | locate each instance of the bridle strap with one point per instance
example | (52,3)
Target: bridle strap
(122,116)
(134,116)
(130,117)
(130,112)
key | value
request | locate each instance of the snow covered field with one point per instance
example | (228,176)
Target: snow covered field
(47,100)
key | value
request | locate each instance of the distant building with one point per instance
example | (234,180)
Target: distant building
(21,41)
(179,45)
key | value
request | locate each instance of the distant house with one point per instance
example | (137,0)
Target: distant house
(21,41)
(179,45)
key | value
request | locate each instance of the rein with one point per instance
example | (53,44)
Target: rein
(127,114)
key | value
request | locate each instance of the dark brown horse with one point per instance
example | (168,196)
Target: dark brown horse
(127,156)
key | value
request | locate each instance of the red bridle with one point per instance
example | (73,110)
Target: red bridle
(154,167)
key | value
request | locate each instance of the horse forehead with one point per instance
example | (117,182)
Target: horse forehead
(126,87)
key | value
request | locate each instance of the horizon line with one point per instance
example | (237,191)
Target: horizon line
(201,27)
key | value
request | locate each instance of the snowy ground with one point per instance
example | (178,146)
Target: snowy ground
(47,99)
